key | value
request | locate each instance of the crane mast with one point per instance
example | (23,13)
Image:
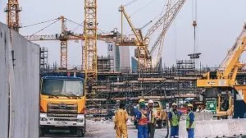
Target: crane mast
(90,45)
(63,45)
(12,9)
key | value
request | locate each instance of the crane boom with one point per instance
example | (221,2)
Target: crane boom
(227,72)
(175,8)
(136,32)
(233,54)
(103,37)
(167,20)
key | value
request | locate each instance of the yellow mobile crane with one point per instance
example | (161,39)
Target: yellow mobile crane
(223,84)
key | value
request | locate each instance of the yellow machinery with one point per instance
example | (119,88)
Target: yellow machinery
(222,82)
(62,103)
(142,53)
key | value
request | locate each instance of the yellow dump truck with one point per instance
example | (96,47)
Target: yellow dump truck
(62,104)
(161,114)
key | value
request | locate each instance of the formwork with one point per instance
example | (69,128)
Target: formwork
(22,63)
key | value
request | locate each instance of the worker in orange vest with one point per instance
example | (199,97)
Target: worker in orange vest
(121,117)
(142,118)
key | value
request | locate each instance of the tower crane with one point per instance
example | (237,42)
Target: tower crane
(12,9)
(90,43)
(142,42)
(66,35)
(223,83)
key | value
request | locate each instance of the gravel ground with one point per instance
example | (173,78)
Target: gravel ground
(103,129)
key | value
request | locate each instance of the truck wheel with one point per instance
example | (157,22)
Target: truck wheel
(81,132)
(160,124)
(41,132)
(73,131)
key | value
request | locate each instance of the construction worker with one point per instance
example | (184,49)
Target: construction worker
(174,118)
(142,120)
(190,121)
(152,119)
(121,118)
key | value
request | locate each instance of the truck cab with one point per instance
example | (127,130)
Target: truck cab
(62,104)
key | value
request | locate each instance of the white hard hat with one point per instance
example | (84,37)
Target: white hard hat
(150,101)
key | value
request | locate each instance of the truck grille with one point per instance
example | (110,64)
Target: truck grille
(65,119)
(61,109)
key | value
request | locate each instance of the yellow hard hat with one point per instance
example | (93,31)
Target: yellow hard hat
(190,105)
(174,104)
(141,100)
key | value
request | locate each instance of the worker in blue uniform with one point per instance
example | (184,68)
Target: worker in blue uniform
(174,118)
(190,122)
(142,119)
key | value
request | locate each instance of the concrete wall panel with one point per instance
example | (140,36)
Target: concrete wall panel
(3,81)
(24,86)
(26,94)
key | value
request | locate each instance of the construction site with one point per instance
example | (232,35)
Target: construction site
(78,74)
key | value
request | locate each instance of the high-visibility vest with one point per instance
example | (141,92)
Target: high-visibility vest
(143,120)
(188,121)
(152,115)
(175,119)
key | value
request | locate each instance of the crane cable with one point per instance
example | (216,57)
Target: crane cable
(30,25)
(162,11)
(194,24)
(45,27)
(140,9)
(129,3)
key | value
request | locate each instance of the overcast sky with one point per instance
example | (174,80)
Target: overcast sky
(219,24)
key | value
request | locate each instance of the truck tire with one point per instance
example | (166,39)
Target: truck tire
(41,132)
(160,124)
(73,131)
(81,132)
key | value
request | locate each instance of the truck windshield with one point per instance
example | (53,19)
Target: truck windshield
(62,87)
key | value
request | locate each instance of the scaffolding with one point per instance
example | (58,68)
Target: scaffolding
(43,57)
(104,63)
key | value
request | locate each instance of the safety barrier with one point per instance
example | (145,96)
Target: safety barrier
(204,116)
(201,116)
(215,128)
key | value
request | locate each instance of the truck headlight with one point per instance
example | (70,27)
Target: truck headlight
(43,119)
(80,120)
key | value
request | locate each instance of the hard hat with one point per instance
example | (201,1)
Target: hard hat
(174,104)
(141,100)
(190,105)
(150,101)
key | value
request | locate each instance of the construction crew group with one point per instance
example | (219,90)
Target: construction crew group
(146,117)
